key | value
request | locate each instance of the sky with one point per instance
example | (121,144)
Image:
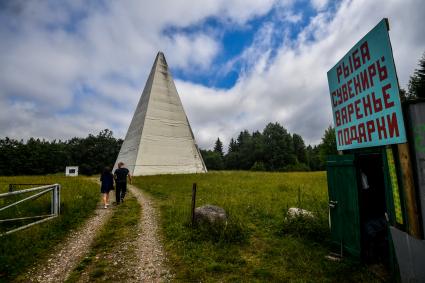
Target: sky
(72,68)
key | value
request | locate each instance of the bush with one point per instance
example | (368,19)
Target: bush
(299,167)
(258,166)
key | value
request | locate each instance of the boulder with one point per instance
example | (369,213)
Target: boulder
(210,213)
(295,212)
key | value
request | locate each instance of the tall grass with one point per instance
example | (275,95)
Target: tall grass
(258,243)
(19,250)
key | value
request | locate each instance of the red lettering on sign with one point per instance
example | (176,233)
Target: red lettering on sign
(361,133)
(350,90)
(356,60)
(372,72)
(377,103)
(339,94)
(347,136)
(364,51)
(382,71)
(344,92)
(340,140)
(356,105)
(365,80)
(367,106)
(386,96)
(370,129)
(334,102)
(353,133)
(337,118)
(346,71)
(339,73)
(350,111)
(382,131)
(392,125)
(357,86)
(344,115)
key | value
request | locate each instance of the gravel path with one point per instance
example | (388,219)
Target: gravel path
(63,260)
(151,256)
(149,266)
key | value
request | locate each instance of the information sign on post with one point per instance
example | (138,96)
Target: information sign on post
(365,95)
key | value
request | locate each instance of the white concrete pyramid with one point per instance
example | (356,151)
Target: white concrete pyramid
(160,139)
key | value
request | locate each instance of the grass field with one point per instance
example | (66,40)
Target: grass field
(79,197)
(257,244)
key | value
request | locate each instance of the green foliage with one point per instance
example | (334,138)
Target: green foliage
(79,197)
(39,157)
(258,166)
(298,167)
(218,147)
(328,145)
(313,158)
(417,81)
(256,202)
(272,150)
(212,159)
(299,148)
(279,149)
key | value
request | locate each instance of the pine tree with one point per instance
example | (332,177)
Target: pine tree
(328,145)
(417,80)
(218,147)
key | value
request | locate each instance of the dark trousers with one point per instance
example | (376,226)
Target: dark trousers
(121,189)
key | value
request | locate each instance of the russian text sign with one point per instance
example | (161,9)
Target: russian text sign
(365,96)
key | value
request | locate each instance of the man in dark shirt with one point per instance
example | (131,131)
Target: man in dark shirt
(121,174)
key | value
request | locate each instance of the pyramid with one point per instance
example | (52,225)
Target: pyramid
(159,139)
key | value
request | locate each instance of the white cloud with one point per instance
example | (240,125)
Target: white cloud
(292,88)
(319,4)
(62,77)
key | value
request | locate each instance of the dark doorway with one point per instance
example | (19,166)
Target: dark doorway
(372,207)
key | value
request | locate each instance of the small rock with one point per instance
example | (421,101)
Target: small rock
(294,212)
(210,213)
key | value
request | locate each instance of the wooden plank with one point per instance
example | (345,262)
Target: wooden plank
(409,190)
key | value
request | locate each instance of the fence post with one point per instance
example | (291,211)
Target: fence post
(52,202)
(59,198)
(193,203)
(55,193)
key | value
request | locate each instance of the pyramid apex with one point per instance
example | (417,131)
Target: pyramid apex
(160,57)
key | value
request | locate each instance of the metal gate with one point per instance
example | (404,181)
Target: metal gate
(54,190)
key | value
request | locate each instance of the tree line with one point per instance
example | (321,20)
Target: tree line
(40,157)
(273,149)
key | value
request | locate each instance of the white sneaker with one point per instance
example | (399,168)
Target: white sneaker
(105,206)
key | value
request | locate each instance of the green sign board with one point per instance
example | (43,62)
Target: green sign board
(365,96)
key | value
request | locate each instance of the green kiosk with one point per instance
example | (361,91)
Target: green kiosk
(365,182)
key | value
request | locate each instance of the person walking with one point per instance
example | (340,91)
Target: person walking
(121,174)
(107,184)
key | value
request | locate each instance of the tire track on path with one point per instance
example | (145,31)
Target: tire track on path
(151,257)
(63,260)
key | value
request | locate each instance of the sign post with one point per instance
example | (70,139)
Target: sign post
(365,95)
